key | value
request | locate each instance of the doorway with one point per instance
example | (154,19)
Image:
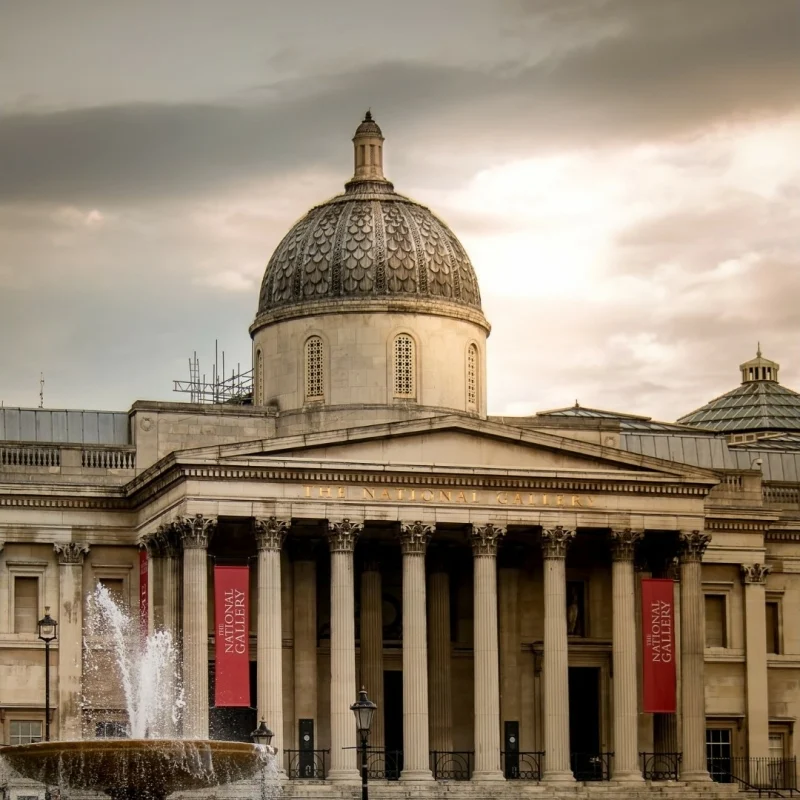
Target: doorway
(393,723)
(588,762)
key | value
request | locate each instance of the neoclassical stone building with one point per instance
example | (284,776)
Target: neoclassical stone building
(479,576)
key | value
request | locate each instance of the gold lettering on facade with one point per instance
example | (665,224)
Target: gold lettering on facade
(401,495)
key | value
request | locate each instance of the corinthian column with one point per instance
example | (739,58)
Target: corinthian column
(556,657)
(754,577)
(342,539)
(196,533)
(693,766)
(70,640)
(626,718)
(439,656)
(270,534)
(372,642)
(414,538)
(485,540)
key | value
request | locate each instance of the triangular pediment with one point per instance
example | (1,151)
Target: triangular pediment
(453,441)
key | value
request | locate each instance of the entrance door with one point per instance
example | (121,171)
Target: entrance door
(584,723)
(393,722)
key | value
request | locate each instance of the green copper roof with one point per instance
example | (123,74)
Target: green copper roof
(627,422)
(757,405)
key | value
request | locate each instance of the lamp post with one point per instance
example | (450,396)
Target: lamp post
(364,710)
(47,628)
(262,734)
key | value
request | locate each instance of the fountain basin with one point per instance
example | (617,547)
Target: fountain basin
(141,768)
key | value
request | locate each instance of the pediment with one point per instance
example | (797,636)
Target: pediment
(458,442)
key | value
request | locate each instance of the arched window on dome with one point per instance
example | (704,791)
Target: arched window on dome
(315,369)
(472,378)
(259,378)
(405,367)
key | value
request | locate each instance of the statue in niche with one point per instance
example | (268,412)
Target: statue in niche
(575,616)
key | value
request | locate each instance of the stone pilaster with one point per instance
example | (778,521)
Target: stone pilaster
(151,542)
(439,656)
(754,577)
(626,718)
(693,766)
(270,534)
(372,641)
(305,631)
(70,637)
(555,542)
(172,581)
(342,539)
(485,541)
(414,538)
(195,533)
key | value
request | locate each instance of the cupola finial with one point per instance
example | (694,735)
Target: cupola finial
(367,153)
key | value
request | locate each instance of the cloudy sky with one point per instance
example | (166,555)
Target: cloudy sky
(624,174)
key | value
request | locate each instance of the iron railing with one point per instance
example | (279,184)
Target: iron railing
(591,766)
(755,773)
(451,765)
(661,766)
(307,765)
(383,764)
(523,766)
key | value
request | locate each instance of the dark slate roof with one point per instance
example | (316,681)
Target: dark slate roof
(753,406)
(627,422)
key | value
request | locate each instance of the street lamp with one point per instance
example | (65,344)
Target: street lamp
(47,628)
(364,710)
(262,734)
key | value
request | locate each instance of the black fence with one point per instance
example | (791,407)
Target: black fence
(384,764)
(661,766)
(308,765)
(523,766)
(755,773)
(451,765)
(591,766)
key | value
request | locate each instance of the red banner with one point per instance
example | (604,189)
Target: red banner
(658,617)
(232,612)
(144,600)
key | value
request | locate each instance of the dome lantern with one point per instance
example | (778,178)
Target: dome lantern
(759,369)
(367,154)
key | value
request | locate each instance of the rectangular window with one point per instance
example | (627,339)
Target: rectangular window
(116,588)
(773,610)
(716,621)
(718,754)
(26,731)
(26,604)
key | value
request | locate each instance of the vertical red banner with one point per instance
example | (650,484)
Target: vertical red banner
(144,599)
(232,615)
(658,636)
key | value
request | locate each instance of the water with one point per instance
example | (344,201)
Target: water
(147,670)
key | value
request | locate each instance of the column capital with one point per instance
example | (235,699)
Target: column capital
(342,535)
(623,543)
(414,537)
(153,543)
(556,540)
(692,545)
(755,573)
(169,539)
(196,531)
(486,539)
(271,532)
(71,553)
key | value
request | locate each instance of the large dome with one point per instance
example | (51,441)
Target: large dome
(368,243)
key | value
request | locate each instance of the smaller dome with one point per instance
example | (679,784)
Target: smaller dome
(369,127)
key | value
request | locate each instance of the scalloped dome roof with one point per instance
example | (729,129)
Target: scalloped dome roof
(369,243)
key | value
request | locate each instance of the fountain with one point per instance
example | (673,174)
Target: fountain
(154,762)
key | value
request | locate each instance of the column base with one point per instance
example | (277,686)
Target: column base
(344,776)
(488,775)
(634,776)
(416,775)
(696,776)
(558,776)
